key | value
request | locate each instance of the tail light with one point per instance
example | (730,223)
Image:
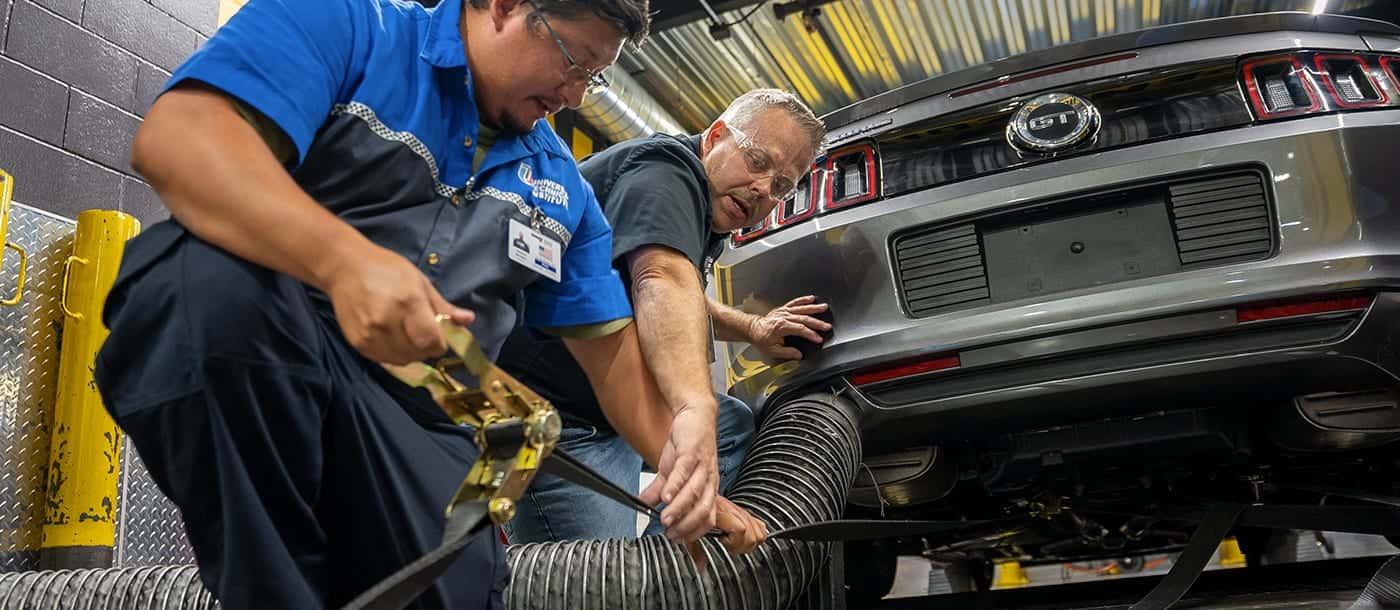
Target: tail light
(803,203)
(851,177)
(1306,83)
(747,234)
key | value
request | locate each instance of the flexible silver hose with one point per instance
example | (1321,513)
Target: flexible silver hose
(798,471)
(152,588)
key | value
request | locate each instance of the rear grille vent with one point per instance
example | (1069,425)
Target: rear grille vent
(1221,220)
(941,269)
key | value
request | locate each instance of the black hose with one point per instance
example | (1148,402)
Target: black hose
(798,471)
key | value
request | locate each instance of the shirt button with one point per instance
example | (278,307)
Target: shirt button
(433,258)
(457,200)
(467,142)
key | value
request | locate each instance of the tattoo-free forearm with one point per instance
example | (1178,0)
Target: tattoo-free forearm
(625,390)
(672,325)
(730,323)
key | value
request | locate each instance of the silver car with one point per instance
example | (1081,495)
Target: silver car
(1086,282)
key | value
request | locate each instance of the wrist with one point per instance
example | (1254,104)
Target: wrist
(751,328)
(342,250)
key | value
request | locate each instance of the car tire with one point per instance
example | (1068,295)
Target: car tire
(969,575)
(870,571)
(1268,546)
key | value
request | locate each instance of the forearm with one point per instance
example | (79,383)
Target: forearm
(625,390)
(220,180)
(674,336)
(730,323)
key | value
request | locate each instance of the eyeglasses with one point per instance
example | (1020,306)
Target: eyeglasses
(576,73)
(760,164)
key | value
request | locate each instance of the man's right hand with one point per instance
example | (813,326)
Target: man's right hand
(387,308)
(687,477)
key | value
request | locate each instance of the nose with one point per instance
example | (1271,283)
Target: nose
(573,93)
(763,188)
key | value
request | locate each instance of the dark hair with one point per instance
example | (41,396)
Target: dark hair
(633,17)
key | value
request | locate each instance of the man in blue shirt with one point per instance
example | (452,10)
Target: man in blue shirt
(340,173)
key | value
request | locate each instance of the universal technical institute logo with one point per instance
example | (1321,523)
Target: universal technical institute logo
(1052,122)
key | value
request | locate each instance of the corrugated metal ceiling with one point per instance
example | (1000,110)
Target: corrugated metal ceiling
(858,48)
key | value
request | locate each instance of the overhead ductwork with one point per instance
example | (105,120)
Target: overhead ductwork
(625,110)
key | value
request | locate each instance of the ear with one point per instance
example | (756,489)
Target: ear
(713,133)
(501,10)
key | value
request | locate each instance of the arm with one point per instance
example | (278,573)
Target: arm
(625,389)
(678,440)
(730,323)
(672,325)
(223,183)
(768,332)
(204,156)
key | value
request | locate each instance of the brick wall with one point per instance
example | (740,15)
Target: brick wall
(75,78)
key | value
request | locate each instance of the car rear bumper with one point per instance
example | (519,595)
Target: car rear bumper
(1337,229)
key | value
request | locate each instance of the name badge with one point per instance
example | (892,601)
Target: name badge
(534,250)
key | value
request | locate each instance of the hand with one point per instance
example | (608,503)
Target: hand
(742,531)
(687,477)
(795,318)
(388,309)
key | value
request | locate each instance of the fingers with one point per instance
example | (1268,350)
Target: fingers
(458,315)
(743,533)
(697,554)
(424,336)
(794,328)
(811,322)
(802,300)
(806,309)
(652,494)
(690,512)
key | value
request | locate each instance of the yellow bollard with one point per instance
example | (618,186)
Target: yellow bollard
(1230,554)
(80,516)
(1009,575)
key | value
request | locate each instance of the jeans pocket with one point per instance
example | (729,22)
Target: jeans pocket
(573,436)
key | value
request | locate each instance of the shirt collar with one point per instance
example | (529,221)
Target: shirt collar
(443,47)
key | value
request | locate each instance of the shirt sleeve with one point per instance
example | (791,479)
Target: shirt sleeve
(589,290)
(287,59)
(656,200)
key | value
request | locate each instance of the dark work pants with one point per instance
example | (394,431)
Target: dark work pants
(303,473)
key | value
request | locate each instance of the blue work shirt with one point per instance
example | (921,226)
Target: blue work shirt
(377,98)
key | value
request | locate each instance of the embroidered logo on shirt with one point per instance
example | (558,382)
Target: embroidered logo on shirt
(551,192)
(526,174)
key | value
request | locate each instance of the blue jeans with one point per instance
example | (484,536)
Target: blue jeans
(554,509)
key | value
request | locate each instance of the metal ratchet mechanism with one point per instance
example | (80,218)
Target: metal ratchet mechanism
(516,429)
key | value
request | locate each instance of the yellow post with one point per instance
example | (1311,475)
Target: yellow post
(1230,554)
(1009,575)
(80,516)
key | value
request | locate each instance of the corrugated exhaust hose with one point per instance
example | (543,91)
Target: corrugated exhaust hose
(798,471)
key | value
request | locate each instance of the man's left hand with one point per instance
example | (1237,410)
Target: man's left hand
(794,318)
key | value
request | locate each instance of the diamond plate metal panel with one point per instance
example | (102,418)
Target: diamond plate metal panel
(150,531)
(29,346)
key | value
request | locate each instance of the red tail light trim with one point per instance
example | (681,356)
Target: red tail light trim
(1292,308)
(813,203)
(940,362)
(740,237)
(1320,61)
(1387,70)
(1257,98)
(871,181)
